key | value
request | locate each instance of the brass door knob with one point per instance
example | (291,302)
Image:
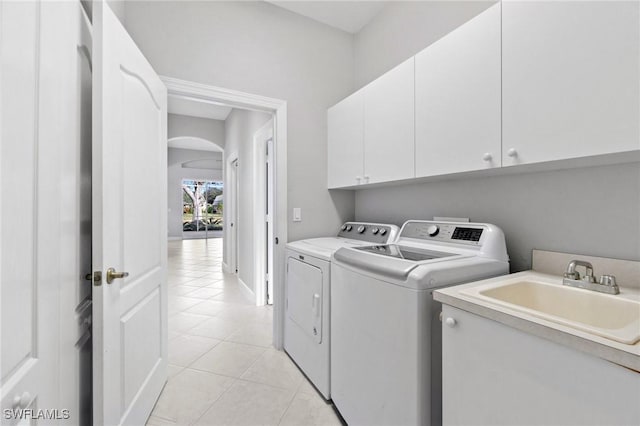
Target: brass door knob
(112,274)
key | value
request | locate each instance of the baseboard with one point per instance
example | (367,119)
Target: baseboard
(246,290)
(226,268)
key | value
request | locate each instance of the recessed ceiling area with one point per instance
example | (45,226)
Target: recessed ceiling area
(193,143)
(349,16)
(197,108)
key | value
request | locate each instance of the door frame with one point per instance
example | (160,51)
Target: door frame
(202,92)
(263,202)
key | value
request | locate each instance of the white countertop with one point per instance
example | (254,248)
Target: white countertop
(619,353)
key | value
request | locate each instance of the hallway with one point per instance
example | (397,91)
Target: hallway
(222,367)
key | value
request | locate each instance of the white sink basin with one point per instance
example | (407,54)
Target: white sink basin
(608,316)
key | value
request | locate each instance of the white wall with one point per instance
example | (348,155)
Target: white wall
(176,173)
(241,125)
(259,48)
(404,28)
(204,128)
(588,210)
(118,9)
(592,211)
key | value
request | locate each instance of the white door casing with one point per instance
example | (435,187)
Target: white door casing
(75,216)
(129,177)
(278,107)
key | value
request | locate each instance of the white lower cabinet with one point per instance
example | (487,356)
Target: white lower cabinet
(458,99)
(569,79)
(496,375)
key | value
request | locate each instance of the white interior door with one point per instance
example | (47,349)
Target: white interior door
(263,213)
(270,205)
(29,271)
(232,194)
(129,226)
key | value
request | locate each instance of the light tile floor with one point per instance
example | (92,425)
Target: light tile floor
(222,367)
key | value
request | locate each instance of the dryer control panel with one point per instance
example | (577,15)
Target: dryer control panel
(460,233)
(378,233)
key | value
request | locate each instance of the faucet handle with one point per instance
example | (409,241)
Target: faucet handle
(608,280)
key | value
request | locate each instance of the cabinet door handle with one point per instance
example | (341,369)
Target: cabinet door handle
(451,322)
(512,153)
(358,179)
(366,179)
(487,157)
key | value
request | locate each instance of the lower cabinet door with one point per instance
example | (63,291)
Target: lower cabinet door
(496,375)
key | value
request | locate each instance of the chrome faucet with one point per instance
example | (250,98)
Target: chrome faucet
(572,278)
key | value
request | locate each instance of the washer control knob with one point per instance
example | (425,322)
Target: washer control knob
(433,230)
(343,227)
(349,228)
(383,231)
(375,231)
(361,229)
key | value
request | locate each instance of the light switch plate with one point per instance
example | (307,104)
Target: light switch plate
(297,214)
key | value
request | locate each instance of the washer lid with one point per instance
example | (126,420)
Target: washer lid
(404,252)
(323,248)
(390,265)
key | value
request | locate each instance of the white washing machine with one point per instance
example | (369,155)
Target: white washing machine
(386,335)
(308,290)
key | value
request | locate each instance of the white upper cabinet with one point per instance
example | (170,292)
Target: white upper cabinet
(458,99)
(570,79)
(345,123)
(389,126)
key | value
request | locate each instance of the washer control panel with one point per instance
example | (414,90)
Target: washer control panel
(459,233)
(373,232)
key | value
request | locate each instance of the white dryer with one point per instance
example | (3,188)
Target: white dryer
(308,290)
(386,339)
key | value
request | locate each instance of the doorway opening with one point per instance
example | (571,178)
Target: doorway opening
(255,219)
(202,207)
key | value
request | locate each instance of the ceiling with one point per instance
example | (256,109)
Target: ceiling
(193,143)
(197,108)
(349,16)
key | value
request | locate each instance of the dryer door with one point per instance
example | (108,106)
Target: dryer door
(304,304)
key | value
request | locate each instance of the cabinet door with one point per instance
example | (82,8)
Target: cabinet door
(458,99)
(345,142)
(389,126)
(496,375)
(570,79)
